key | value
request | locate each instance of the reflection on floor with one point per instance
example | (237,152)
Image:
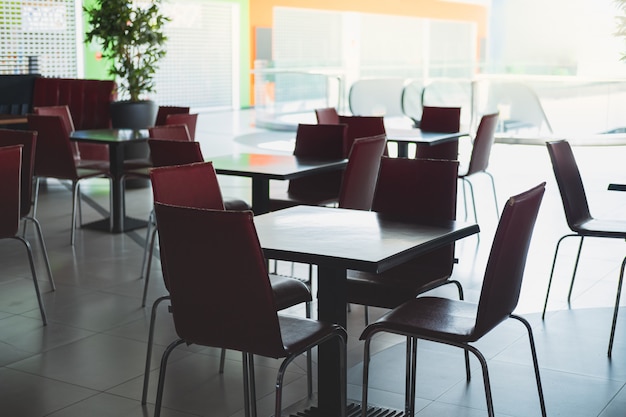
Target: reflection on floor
(89,360)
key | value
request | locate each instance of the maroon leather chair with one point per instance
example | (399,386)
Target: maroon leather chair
(359,179)
(64,113)
(444,120)
(139,167)
(54,158)
(189,120)
(170,132)
(170,153)
(27,140)
(318,142)
(194,248)
(361,127)
(580,220)
(432,196)
(327,116)
(10,193)
(165,111)
(201,190)
(461,323)
(479,160)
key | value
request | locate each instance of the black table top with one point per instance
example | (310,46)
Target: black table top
(110,135)
(420,137)
(275,167)
(351,239)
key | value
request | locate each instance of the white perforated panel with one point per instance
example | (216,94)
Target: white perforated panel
(200,69)
(38,28)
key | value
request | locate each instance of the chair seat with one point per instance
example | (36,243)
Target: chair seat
(298,333)
(392,288)
(236,204)
(436,318)
(289,292)
(602,228)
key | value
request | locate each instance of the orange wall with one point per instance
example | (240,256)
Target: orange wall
(261,12)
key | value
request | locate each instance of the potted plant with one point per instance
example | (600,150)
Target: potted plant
(132,39)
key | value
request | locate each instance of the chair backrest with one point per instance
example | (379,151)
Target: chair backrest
(64,113)
(570,183)
(420,189)
(164,111)
(10,175)
(359,178)
(28,140)
(481,149)
(417,188)
(361,127)
(170,132)
(190,120)
(441,119)
(54,156)
(323,143)
(192,185)
(213,261)
(505,267)
(174,152)
(327,116)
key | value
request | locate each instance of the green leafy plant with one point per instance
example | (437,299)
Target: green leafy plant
(131,36)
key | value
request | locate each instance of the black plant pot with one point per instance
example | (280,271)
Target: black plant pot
(134,115)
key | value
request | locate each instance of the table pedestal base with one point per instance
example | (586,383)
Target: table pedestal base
(104,225)
(352,410)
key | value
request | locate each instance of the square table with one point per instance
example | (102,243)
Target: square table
(405,136)
(340,239)
(265,167)
(118,140)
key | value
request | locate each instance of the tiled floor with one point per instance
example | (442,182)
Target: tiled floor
(89,360)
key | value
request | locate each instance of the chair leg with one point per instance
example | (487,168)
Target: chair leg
(533,351)
(571,286)
(80,206)
(411,376)
(246,383)
(463,181)
(493,188)
(222,360)
(471,188)
(29,251)
(36,196)
(146,374)
(147,243)
(75,194)
(164,358)
(149,265)
(366,366)
(556,252)
(616,310)
(487,385)
(468,372)
(42,244)
(341,337)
